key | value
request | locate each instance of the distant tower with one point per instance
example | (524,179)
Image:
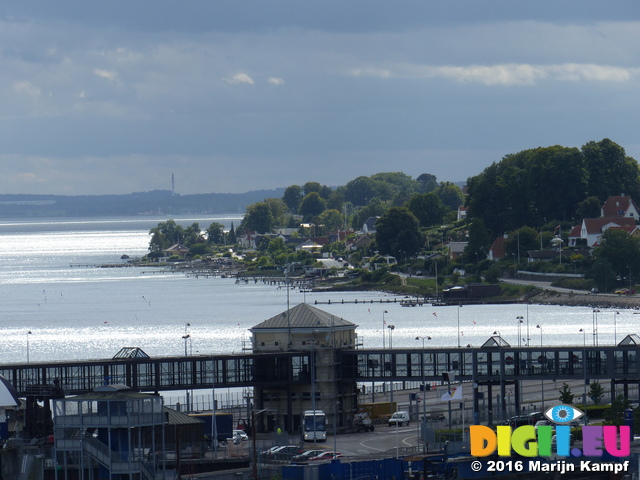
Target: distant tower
(173,185)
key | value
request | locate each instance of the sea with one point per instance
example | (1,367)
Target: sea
(58,302)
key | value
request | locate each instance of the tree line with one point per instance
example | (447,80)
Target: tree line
(532,196)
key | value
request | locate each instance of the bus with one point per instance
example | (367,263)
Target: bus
(314,426)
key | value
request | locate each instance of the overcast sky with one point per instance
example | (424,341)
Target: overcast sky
(231,96)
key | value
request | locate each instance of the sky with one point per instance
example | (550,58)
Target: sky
(231,96)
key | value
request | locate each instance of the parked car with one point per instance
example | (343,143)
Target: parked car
(327,456)
(434,417)
(281,452)
(306,456)
(398,418)
(238,436)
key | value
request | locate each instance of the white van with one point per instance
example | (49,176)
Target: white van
(398,418)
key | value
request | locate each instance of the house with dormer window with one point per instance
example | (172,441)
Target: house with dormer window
(593,228)
(619,206)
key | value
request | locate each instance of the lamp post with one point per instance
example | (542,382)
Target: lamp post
(542,367)
(615,328)
(459,325)
(28,333)
(384,324)
(186,338)
(584,366)
(594,319)
(424,398)
(253,440)
(502,392)
(391,329)
(520,320)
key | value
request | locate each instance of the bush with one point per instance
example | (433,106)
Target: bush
(574,283)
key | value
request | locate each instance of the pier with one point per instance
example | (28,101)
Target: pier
(491,371)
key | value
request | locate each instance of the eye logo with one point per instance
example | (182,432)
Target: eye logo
(563,414)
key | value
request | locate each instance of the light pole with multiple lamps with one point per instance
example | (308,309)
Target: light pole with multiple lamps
(542,365)
(424,397)
(520,320)
(384,324)
(186,338)
(584,365)
(500,366)
(28,333)
(391,329)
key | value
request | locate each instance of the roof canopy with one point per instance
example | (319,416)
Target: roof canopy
(304,317)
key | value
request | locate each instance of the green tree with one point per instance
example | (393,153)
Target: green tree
(311,187)
(603,275)
(311,205)
(566,396)
(231,236)
(258,218)
(615,414)
(374,209)
(479,241)
(215,233)
(523,239)
(589,208)
(278,212)
(331,219)
(596,392)
(450,195)
(621,250)
(199,249)
(292,197)
(427,208)
(610,171)
(360,191)
(164,235)
(192,234)
(398,232)
(426,183)
(528,188)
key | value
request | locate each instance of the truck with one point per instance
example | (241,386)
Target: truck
(378,410)
(362,422)
(314,426)
(224,425)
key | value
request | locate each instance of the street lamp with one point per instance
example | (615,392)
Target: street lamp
(459,324)
(584,365)
(502,392)
(186,339)
(28,333)
(615,332)
(254,414)
(384,323)
(542,367)
(594,319)
(391,329)
(424,397)
(520,320)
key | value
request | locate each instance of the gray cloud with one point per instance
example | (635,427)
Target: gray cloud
(113,98)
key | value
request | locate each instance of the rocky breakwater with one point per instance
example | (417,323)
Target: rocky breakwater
(585,299)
